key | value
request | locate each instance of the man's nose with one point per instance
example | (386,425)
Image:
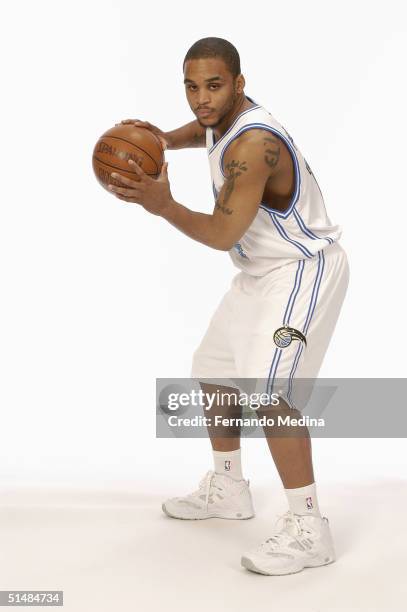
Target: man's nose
(203,98)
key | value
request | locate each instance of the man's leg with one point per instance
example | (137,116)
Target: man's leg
(293,460)
(223,492)
(295,310)
(225,439)
(291,450)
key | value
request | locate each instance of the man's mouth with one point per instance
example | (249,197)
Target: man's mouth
(204,112)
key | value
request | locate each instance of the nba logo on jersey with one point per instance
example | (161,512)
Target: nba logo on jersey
(309,503)
(227,466)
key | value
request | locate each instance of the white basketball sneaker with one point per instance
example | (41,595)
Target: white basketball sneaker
(303,541)
(218,496)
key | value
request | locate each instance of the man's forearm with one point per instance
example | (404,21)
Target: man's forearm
(190,135)
(198,226)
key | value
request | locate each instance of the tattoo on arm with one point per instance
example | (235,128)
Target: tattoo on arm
(272,153)
(234,169)
(224,209)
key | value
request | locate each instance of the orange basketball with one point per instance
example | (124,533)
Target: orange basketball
(121,143)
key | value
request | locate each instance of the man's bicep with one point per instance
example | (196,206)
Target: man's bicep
(238,201)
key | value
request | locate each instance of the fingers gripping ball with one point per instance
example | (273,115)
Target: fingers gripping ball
(121,143)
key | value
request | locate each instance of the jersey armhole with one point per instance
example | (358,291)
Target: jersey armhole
(297,175)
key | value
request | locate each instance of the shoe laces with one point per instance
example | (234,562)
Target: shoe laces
(293,529)
(206,485)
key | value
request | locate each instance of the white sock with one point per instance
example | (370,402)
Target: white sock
(303,500)
(228,463)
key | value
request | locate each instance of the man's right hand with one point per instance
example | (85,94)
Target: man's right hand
(162,137)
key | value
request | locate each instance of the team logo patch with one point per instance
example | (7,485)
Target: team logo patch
(283,336)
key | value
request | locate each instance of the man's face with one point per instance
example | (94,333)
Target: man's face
(210,88)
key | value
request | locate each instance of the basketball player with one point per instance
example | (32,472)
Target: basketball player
(277,319)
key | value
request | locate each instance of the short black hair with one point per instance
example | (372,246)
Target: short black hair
(215,47)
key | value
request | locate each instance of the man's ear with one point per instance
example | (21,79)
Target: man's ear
(240,83)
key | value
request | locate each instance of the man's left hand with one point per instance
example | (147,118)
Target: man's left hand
(153,194)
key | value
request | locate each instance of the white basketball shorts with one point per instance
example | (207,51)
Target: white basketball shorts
(277,326)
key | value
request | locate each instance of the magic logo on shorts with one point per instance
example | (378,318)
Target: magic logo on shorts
(283,336)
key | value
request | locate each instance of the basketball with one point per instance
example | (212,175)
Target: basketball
(121,143)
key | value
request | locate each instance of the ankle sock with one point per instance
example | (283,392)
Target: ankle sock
(228,463)
(303,500)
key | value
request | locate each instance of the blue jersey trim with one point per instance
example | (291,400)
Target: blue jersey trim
(311,309)
(284,235)
(307,231)
(286,320)
(294,293)
(314,297)
(232,126)
(321,265)
(264,126)
(293,370)
(273,370)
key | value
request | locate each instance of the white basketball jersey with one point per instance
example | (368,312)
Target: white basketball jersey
(275,238)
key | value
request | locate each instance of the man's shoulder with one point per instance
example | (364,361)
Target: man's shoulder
(255,136)
(257,144)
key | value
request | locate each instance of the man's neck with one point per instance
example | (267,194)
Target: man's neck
(242,104)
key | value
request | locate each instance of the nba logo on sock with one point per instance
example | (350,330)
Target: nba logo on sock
(227,466)
(309,503)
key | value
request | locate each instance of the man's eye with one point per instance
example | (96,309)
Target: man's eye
(191,87)
(213,86)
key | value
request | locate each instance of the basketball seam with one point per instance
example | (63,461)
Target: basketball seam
(123,169)
(133,145)
(159,146)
